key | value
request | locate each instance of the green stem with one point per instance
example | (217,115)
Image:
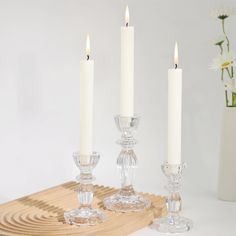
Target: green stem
(226,98)
(223,28)
(221,49)
(232,96)
(230,76)
(233,99)
(222,74)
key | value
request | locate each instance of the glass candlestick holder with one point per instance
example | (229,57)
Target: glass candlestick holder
(126,199)
(173,222)
(85,215)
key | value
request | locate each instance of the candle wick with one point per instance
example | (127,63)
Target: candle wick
(87,57)
(176,66)
(127,24)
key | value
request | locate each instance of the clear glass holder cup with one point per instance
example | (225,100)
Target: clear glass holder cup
(173,222)
(126,199)
(85,215)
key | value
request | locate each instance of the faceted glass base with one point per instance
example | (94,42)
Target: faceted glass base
(121,203)
(84,217)
(172,224)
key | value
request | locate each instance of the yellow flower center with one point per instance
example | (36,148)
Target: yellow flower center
(226,64)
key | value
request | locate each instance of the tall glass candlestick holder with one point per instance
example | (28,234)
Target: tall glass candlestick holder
(85,215)
(173,222)
(126,199)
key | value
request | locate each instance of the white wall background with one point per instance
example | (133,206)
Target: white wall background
(41,43)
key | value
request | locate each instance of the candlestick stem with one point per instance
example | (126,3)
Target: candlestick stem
(126,199)
(173,222)
(85,214)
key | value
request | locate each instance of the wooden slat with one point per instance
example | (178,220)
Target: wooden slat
(41,214)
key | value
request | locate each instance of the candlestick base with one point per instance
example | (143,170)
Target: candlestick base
(84,216)
(172,224)
(126,201)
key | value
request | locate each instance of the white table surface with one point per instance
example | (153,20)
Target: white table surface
(210,217)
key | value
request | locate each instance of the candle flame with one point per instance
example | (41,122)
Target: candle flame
(127,16)
(88,50)
(176,56)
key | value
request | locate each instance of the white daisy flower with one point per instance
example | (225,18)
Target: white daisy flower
(223,61)
(220,40)
(223,12)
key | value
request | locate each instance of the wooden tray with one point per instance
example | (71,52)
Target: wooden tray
(41,214)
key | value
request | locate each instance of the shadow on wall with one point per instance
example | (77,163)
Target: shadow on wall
(29,84)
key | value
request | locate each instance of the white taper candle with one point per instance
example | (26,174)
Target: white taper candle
(86,102)
(174,112)
(127,68)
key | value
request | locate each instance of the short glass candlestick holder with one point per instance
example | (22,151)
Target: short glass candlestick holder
(173,222)
(126,199)
(85,215)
